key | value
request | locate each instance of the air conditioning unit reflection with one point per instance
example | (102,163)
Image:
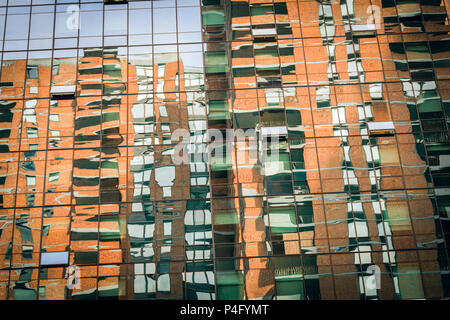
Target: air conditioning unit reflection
(261,34)
(54,258)
(115,1)
(369,29)
(273,131)
(62,92)
(381,128)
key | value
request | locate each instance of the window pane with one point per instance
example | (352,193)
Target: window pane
(163,20)
(140,21)
(41,25)
(115,22)
(91,23)
(17,27)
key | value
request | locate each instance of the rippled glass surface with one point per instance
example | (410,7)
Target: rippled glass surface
(328,176)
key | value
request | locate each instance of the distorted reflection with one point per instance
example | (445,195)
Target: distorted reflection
(347,198)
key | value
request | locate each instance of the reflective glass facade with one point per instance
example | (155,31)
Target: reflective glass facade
(350,201)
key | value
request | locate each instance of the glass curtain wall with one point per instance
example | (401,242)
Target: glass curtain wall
(346,105)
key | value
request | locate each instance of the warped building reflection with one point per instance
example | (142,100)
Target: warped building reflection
(350,201)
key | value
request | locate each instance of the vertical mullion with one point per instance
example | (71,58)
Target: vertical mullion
(46,161)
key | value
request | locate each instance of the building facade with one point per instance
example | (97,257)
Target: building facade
(334,183)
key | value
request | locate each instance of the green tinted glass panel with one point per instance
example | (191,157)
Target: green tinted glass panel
(216,62)
(218,105)
(282,220)
(239,10)
(257,10)
(24,294)
(213,18)
(229,217)
(246,119)
(229,286)
(432,105)
(290,287)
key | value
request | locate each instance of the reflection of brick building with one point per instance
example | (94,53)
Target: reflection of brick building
(86,157)
(167,182)
(92,177)
(52,175)
(339,89)
(366,163)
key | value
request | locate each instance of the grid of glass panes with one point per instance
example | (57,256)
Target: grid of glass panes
(91,93)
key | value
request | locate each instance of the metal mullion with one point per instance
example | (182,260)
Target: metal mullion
(127,245)
(241,201)
(359,84)
(153,202)
(18,158)
(288,141)
(314,138)
(72,206)
(20,149)
(101,151)
(178,75)
(179,104)
(264,197)
(379,192)
(208,165)
(417,250)
(152,182)
(438,90)
(46,162)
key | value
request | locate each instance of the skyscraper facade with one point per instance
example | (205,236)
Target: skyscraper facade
(220,149)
